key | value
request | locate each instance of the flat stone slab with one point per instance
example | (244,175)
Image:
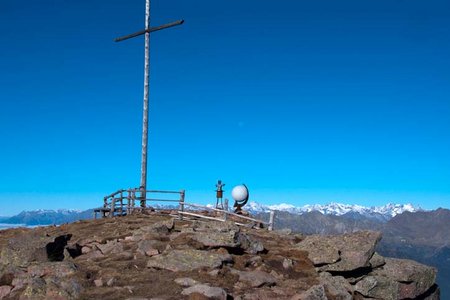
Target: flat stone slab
(188,260)
(346,252)
(217,239)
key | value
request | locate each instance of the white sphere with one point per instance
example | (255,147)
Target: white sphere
(239,193)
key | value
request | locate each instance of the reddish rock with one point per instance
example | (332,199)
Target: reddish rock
(98,282)
(4,291)
(204,291)
(86,249)
(257,278)
(111,247)
(152,252)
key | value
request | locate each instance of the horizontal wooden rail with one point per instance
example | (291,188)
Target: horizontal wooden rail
(200,216)
(115,193)
(226,212)
(163,200)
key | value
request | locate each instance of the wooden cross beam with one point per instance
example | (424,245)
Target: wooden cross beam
(151,29)
(146,32)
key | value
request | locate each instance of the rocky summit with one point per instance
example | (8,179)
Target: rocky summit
(158,257)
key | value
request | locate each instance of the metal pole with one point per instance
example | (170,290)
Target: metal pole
(146,98)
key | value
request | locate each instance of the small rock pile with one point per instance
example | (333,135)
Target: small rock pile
(155,257)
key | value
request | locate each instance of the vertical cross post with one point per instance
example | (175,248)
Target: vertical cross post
(143,185)
(146,32)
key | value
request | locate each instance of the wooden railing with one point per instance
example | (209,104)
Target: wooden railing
(225,214)
(123,202)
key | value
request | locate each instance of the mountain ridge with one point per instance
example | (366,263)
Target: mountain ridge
(383,213)
(356,212)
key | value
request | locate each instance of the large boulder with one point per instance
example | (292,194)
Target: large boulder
(341,253)
(188,260)
(53,280)
(414,278)
(26,247)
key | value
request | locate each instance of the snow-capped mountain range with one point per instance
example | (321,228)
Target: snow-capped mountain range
(52,211)
(380,213)
(387,211)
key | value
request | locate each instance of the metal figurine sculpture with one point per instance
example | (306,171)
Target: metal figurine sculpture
(219,194)
(240,195)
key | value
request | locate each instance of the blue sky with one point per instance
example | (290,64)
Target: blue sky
(304,101)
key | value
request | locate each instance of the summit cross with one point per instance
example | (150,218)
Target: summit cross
(146,32)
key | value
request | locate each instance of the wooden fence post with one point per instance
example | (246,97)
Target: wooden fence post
(113,206)
(128,202)
(225,214)
(133,197)
(121,204)
(181,207)
(271,220)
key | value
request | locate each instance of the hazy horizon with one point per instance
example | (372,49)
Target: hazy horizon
(305,102)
